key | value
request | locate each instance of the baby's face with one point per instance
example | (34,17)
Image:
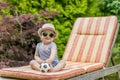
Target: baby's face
(47,36)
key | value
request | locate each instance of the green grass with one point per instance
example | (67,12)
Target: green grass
(112,77)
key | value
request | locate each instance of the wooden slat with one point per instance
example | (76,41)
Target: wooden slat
(98,74)
(4,78)
(114,39)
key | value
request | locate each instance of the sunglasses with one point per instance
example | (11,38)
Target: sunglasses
(48,34)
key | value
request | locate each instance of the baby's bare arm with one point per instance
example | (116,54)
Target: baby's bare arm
(53,53)
(37,57)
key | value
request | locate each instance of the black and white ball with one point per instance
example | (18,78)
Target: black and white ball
(45,67)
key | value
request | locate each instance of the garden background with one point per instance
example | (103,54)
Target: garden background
(20,20)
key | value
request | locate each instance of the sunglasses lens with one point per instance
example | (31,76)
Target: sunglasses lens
(44,33)
(51,35)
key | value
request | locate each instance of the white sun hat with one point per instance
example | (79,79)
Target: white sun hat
(47,26)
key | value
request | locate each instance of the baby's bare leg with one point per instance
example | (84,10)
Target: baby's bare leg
(35,65)
(59,66)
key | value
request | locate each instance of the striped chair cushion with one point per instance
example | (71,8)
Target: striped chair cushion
(25,72)
(90,39)
(71,69)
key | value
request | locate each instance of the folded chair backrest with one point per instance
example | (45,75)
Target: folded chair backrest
(91,39)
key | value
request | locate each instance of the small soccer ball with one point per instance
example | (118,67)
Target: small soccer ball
(45,67)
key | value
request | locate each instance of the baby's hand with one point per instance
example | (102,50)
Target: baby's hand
(41,61)
(51,68)
(48,61)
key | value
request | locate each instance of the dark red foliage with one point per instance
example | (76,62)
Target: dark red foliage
(48,14)
(3,5)
(17,40)
(12,63)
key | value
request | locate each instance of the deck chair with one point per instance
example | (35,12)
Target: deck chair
(87,53)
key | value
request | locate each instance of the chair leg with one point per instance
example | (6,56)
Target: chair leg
(119,74)
(112,60)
